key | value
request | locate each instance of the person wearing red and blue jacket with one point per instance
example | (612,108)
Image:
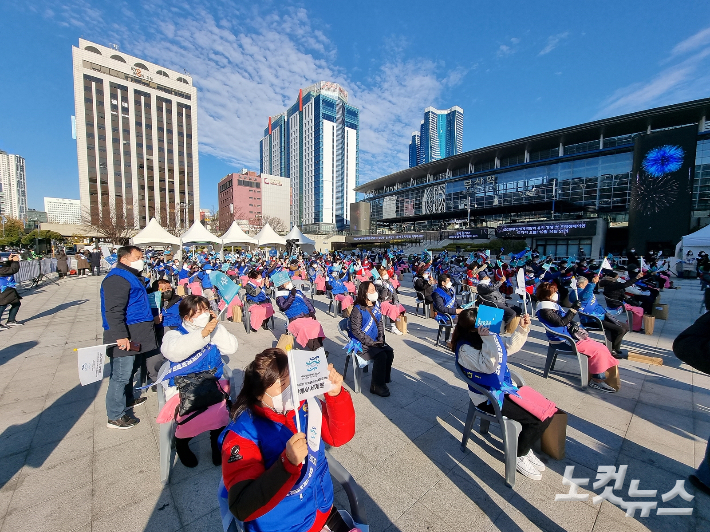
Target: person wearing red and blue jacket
(274,480)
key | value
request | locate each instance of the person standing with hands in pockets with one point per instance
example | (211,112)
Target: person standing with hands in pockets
(276,478)
(128,322)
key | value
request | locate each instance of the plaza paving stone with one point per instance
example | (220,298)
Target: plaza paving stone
(61,469)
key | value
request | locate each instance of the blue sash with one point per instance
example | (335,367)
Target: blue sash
(259,298)
(499,382)
(298,307)
(449,299)
(369,326)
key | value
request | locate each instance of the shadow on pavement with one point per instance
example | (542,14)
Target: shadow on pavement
(39,437)
(12,351)
(56,309)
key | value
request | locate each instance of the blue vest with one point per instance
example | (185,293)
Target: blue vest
(297,511)
(499,382)
(338,285)
(171,316)
(558,329)
(449,298)
(298,306)
(7,281)
(259,298)
(138,308)
(203,359)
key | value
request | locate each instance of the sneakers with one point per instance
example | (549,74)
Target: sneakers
(396,331)
(601,386)
(124,422)
(382,391)
(136,402)
(526,468)
(534,460)
(12,324)
(3,327)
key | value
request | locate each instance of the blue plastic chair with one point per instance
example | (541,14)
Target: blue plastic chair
(446,323)
(360,365)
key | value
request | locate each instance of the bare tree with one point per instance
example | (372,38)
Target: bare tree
(110,225)
(277,224)
(168,221)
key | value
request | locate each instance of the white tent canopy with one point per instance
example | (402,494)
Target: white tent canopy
(296,234)
(197,234)
(155,235)
(267,236)
(695,242)
(235,235)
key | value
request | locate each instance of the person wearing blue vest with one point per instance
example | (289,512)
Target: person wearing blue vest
(484,357)
(167,317)
(613,328)
(560,321)
(301,314)
(195,350)
(128,322)
(444,298)
(258,303)
(276,479)
(367,333)
(8,294)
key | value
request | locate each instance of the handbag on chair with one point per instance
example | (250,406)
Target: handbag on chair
(198,391)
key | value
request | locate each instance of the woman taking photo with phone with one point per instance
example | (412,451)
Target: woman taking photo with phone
(195,352)
(277,479)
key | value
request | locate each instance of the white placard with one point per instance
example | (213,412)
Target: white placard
(309,373)
(91,363)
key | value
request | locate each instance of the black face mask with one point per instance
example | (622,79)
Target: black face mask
(167,295)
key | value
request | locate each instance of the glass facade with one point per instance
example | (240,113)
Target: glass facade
(440,135)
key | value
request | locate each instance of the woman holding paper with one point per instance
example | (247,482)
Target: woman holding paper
(554,317)
(258,303)
(367,334)
(276,478)
(485,355)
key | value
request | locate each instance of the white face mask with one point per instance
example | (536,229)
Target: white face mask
(288,286)
(138,265)
(373,297)
(555,297)
(385,277)
(448,285)
(282,402)
(202,320)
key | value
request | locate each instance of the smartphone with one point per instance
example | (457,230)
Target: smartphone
(133,346)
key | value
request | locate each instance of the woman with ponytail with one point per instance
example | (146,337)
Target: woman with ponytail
(276,478)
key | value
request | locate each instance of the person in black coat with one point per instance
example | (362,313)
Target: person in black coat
(374,349)
(425,284)
(8,294)
(615,289)
(128,322)
(95,261)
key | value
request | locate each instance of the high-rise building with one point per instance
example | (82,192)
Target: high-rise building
(440,135)
(247,198)
(315,143)
(136,137)
(62,210)
(414,150)
(13,186)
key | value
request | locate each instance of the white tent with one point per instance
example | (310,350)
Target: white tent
(296,234)
(155,235)
(695,242)
(235,235)
(197,234)
(268,237)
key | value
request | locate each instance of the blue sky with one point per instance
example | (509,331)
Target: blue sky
(516,68)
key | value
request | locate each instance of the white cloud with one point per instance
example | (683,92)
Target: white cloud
(700,39)
(552,42)
(248,64)
(686,80)
(508,49)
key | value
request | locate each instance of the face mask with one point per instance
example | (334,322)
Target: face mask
(202,320)
(448,285)
(426,276)
(138,265)
(282,402)
(373,297)
(288,286)
(555,297)
(167,294)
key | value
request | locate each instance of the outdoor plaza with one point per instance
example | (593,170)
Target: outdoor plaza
(61,469)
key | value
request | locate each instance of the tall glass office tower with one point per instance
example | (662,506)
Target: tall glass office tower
(315,142)
(440,135)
